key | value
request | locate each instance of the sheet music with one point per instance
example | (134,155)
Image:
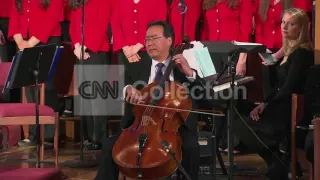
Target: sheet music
(246,43)
(250,44)
(188,54)
(204,61)
(236,83)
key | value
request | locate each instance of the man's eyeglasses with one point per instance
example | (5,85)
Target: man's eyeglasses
(148,40)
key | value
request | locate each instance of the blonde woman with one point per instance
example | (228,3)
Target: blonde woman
(270,120)
(268,32)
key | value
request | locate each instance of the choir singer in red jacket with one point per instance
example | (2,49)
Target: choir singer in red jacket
(97,52)
(268,32)
(33,23)
(191,18)
(129,23)
(228,20)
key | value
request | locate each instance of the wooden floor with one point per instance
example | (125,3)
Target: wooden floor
(70,151)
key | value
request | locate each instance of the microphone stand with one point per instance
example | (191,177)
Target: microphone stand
(232,71)
(165,145)
(184,9)
(226,66)
(81,163)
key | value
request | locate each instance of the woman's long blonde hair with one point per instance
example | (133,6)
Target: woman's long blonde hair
(265,5)
(303,40)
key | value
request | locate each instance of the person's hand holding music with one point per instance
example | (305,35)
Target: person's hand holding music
(264,62)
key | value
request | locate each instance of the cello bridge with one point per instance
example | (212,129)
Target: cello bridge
(146,120)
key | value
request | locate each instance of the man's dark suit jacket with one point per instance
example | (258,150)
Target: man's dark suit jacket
(140,71)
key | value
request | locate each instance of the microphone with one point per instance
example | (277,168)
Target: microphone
(183,6)
(165,146)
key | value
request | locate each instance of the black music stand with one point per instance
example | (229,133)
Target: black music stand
(32,67)
(227,47)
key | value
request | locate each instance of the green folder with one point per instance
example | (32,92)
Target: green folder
(204,61)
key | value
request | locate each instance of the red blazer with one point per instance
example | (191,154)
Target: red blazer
(5,6)
(309,5)
(269,32)
(41,23)
(65,14)
(129,20)
(222,23)
(191,18)
(97,18)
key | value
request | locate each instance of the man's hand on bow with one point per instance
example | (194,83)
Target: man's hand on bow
(133,95)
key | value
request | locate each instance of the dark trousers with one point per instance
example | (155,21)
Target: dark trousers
(272,127)
(51,100)
(68,104)
(65,31)
(122,59)
(309,148)
(9,51)
(10,45)
(269,77)
(96,125)
(190,156)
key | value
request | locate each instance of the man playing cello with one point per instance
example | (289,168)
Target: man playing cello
(159,42)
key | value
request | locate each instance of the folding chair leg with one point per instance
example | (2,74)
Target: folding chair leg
(56,141)
(41,142)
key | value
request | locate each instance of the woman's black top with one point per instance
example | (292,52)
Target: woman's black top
(291,76)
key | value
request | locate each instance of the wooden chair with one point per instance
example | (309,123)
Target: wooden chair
(316,123)
(24,114)
(297,113)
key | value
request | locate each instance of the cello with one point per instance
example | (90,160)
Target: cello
(139,151)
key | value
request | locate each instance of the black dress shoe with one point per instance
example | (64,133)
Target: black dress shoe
(23,143)
(67,114)
(92,147)
(277,172)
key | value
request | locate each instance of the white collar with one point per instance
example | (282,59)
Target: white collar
(166,62)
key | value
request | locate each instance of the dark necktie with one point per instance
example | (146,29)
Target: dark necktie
(159,73)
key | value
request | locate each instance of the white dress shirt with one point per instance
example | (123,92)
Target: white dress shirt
(153,74)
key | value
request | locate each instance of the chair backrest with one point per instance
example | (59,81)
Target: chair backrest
(312,95)
(4,70)
(298,104)
(297,113)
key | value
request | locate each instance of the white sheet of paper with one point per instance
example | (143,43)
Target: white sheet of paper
(188,54)
(250,44)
